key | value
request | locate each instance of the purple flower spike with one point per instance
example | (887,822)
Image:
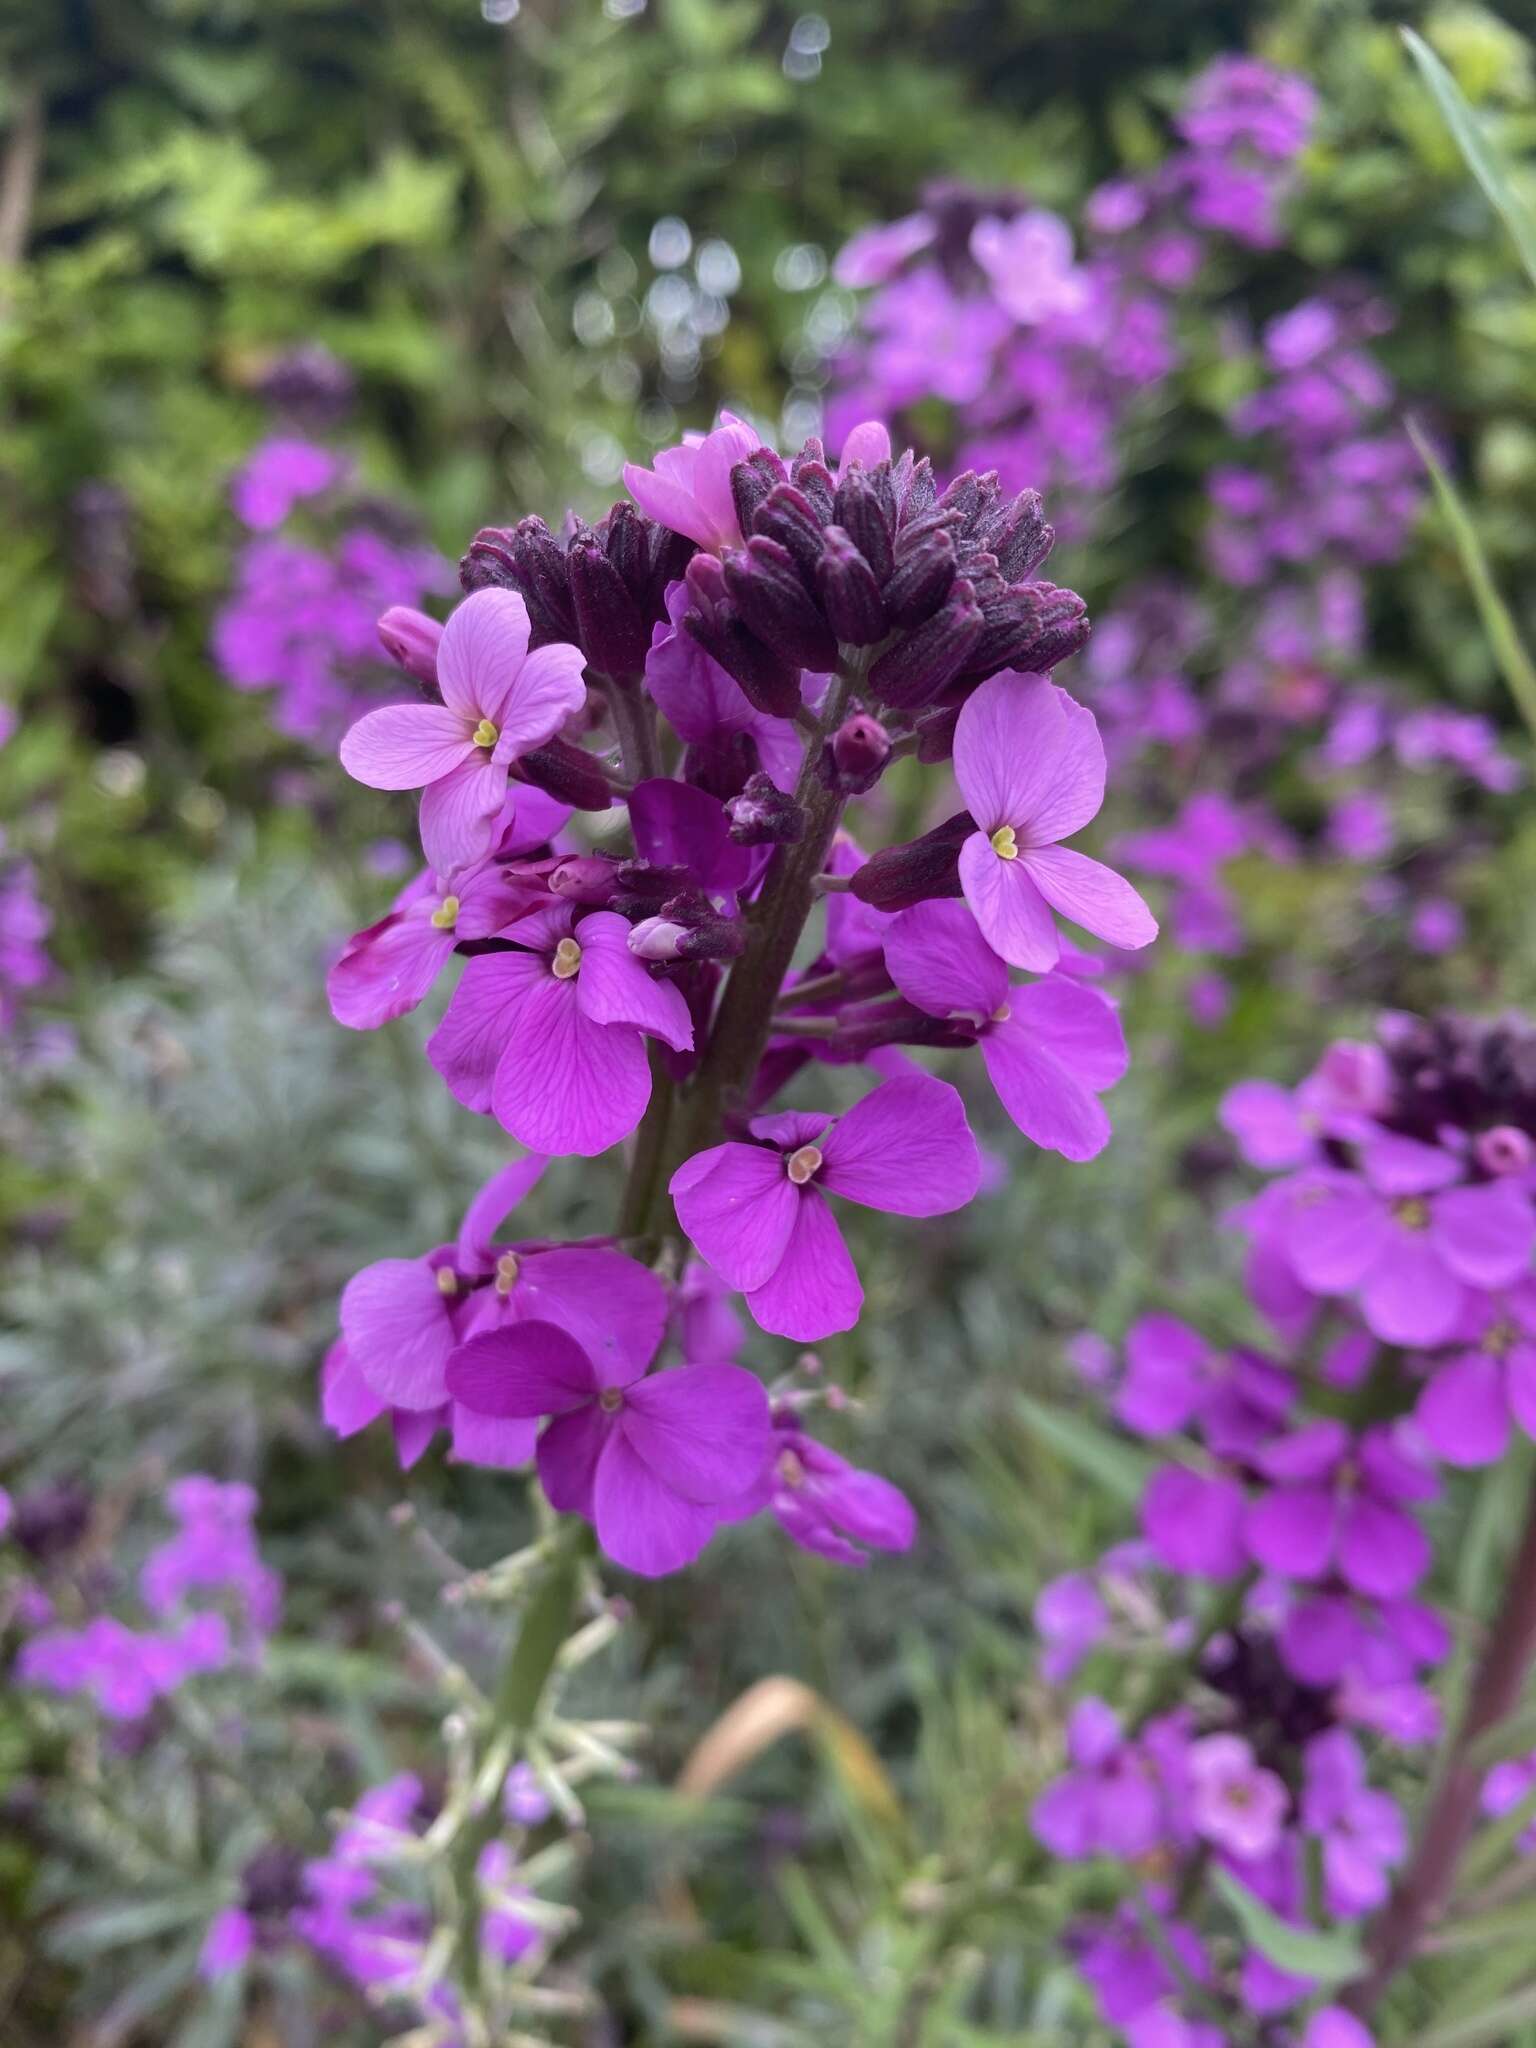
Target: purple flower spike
(1337,1503)
(552,1039)
(499,703)
(1030,765)
(1050,1049)
(758,1213)
(647,1460)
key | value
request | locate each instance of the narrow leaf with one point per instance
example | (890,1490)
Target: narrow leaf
(1494,2027)
(1119,1469)
(1331,1958)
(1483,158)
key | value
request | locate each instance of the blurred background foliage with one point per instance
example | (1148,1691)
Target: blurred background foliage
(541,242)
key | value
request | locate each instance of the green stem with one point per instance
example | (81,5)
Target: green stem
(635,725)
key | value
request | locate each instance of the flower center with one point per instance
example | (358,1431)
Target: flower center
(484,734)
(1005,843)
(611,1400)
(1412,1214)
(446,915)
(791,1471)
(1001,1014)
(506,1272)
(802,1164)
(447,1280)
(567,961)
(1500,1339)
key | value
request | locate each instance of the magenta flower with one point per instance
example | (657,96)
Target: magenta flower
(227,1945)
(828,1506)
(551,1037)
(1337,1503)
(647,1460)
(1362,1831)
(758,1213)
(1467,1403)
(1194,1522)
(1115,1798)
(689,490)
(1050,1049)
(1235,1804)
(1030,765)
(1029,261)
(499,702)
(1406,1240)
(385,970)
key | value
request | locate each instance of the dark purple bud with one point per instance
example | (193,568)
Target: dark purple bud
(762,815)
(567,774)
(410,639)
(670,556)
(1018,535)
(810,474)
(609,627)
(641,888)
(936,732)
(688,927)
(850,595)
(915,670)
(857,752)
(768,593)
(868,516)
(899,876)
(626,538)
(915,488)
(968,494)
(921,579)
(752,480)
(788,516)
(1064,628)
(543,576)
(769,683)
(584,878)
(52,1519)
(861,1027)
(722,765)
(488,563)
(272,1881)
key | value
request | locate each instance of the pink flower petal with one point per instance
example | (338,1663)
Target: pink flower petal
(1014,917)
(703,1429)
(399,1332)
(906,1149)
(738,1205)
(1091,895)
(814,1291)
(1335,1234)
(480,655)
(565,1084)
(1194,1522)
(669,504)
(491,1207)
(1485,1234)
(459,810)
(502,1443)
(937,957)
(1381,1552)
(549,689)
(1464,1413)
(641,1523)
(567,1455)
(1049,1104)
(1410,1297)
(525,1369)
(869,442)
(347,1402)
(1080,1027)
(1291,1531)
(614,987)
(467,1046)
(406,746)
(614,1307)
(383,972)
(1027,756)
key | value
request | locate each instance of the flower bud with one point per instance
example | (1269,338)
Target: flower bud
(1504,1149)
(810,474)
(568,774)
(769,682)
(921,580)
(856,754)
(584,878)
(849,593)
(866,512)
(410,639)
(543,576)
(912,481)
(788,516)
(1017,534)
(688,927)
(915,670)
(936,732)
(762,815)
(899,876)
(752,480)
(657,938)
(768,592)
(487,563)
(609,628)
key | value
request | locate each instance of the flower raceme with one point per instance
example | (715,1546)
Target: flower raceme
(734,658)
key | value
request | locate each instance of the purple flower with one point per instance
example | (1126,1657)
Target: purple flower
(1235,1804)
(1362,1831)
(647,1460)
(1071,1619)
(1050,1049)
(551,1037)
(689,490)
(758,1213)
(227,1945)
(1030,766)
(1468,1401)
(1507,1786)
(1194,1522)
(1029,262)
(276,476)
(1338,1503)
(876,253)
(499,702)
(828,1506)
(1120,1795)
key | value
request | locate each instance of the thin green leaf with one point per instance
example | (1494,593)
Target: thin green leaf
(1518,670)
(1121,1471)
(1332,1958)
(1494,2027)
(1483,159)
(1495,1844)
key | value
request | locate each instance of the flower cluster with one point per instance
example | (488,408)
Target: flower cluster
(1390,1253)
(798,625)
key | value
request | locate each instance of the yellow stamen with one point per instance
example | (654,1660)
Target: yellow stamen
(447,1280)
(567,960)
(1413,1214)
(1002,1013)
(791,1471)
(1005,843)
(484,734)
(611,1400)
(802,1164)
(506,1272)
(446,915)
